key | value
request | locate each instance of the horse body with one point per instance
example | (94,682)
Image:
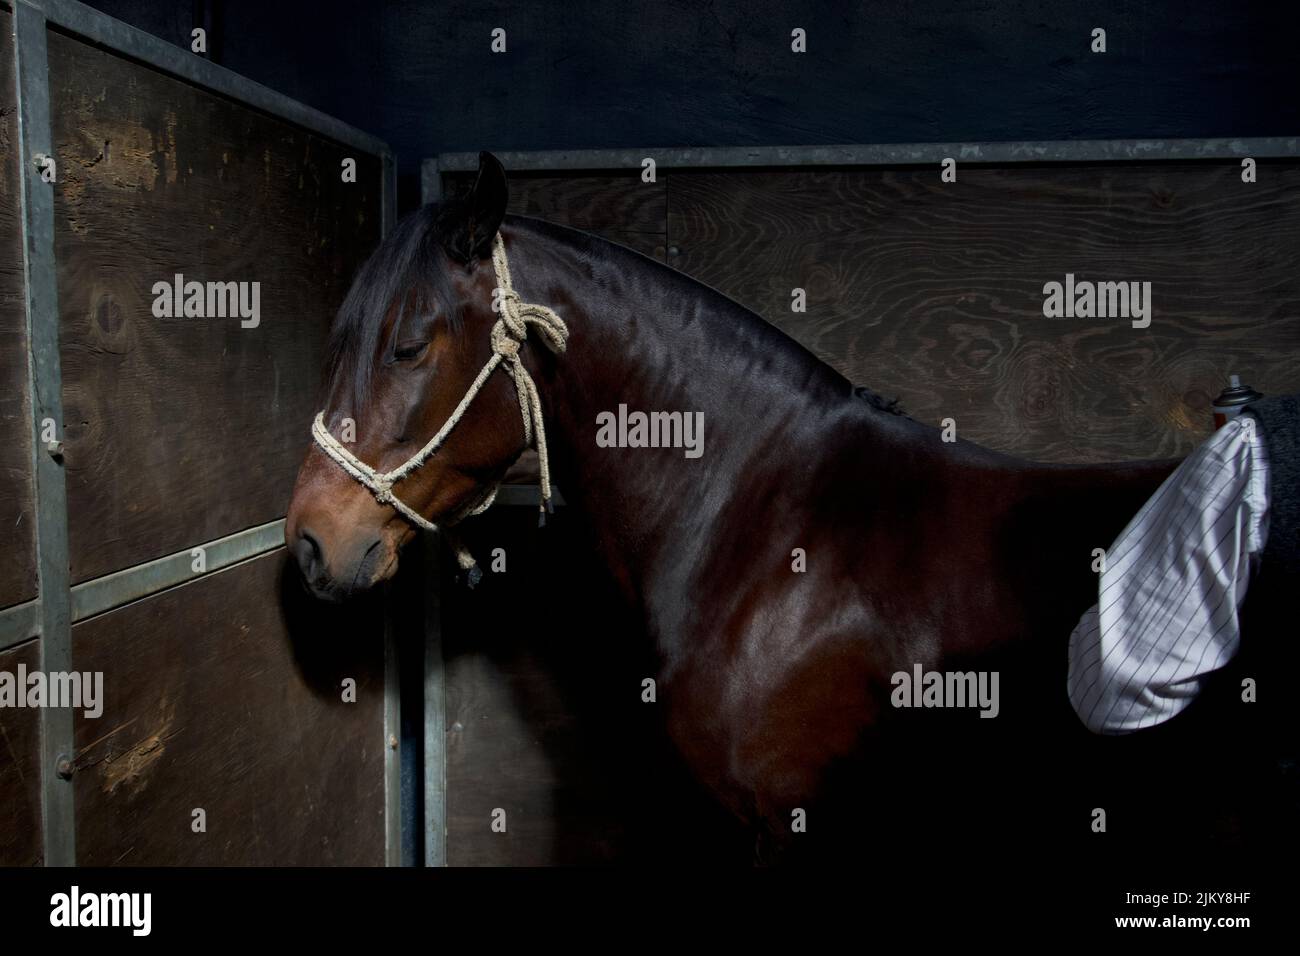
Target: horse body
(773,678)
(917,551)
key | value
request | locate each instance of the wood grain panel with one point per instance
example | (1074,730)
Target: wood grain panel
(225,694)
(620,208)
(933,292)
(17,517)
(183,430)
(20,769)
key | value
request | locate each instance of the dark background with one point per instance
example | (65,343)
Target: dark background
(421,76)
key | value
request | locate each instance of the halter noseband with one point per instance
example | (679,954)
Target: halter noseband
(508,334)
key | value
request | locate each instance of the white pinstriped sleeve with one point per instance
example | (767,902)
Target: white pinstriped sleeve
(1167,605)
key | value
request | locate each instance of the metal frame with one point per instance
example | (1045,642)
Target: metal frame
(392,677)
(130,584)
(22,621)
(115,35)
(51,615)
(888,154)
(435,710)
(46,383)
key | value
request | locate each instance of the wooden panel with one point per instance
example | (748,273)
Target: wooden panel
(619,208)
(18,570)
(225,694)
(20,768)
(548,724)
(934,292)
(182,430)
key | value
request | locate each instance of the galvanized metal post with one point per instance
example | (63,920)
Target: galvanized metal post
(435,710)
(392,672)
(435,694)
(57,810)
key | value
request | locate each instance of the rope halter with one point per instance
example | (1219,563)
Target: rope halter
(508,334)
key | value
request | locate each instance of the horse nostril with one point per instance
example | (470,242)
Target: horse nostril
(309,554)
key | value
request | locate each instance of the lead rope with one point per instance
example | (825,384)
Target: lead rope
(508,334)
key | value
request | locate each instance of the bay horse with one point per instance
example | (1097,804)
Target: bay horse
(775,672)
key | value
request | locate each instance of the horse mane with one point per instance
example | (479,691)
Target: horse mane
(594,246)
(878,401)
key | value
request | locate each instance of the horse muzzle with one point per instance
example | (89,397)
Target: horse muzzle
(342,568)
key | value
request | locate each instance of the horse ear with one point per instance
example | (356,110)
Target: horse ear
(474,220)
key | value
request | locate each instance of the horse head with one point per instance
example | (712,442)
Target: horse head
(416,430)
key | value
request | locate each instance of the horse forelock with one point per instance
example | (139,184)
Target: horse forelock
(404,276)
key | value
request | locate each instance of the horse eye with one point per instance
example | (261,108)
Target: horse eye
(406,352)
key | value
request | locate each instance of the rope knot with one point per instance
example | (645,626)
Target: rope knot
(516,325)
(507,336)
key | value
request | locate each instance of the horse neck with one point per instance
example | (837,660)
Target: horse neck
(653,340)
(789,459)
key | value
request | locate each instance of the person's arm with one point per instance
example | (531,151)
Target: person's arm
(1168,595)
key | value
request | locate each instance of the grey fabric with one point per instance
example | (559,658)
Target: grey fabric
(1279,423)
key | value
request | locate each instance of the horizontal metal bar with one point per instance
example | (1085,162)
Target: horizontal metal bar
(530,495)
(19,623)
(130,584)
(22,621)
(886,154)
(102,29)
